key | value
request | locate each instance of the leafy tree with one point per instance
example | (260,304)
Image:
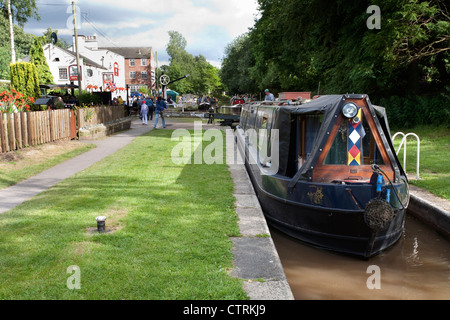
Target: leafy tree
(203,77)
(22,41)
(22,10)
(236,66)
(297,44)
(38,59)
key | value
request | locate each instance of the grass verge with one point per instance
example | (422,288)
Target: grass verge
(20,165)
(434,164)
(169,229)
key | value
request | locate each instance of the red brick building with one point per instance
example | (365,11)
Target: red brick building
(140,67)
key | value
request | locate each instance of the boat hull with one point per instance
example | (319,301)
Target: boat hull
(335,229)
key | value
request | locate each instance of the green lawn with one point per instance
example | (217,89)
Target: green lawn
(171,231)
(434,164)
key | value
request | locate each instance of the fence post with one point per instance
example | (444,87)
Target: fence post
(2,133)
(12,145)
(50,119)
(23,126)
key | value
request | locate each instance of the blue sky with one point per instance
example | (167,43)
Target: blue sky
(207,25)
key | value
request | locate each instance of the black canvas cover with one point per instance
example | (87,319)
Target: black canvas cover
(330,106)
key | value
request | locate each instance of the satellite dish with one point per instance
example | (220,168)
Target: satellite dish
(54,38)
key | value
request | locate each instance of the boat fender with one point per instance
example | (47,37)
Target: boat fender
(378,214)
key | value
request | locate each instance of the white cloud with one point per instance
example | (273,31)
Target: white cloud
(207,25)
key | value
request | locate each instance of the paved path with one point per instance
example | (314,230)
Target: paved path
(15,195)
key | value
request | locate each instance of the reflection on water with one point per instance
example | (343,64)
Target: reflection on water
(417,267)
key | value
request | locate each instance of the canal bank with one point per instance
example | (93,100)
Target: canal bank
(256,259)
(431,210)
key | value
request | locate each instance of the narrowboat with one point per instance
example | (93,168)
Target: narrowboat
(326,172)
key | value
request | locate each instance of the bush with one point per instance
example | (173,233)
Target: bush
(408,112)
(24,79)
(87,98)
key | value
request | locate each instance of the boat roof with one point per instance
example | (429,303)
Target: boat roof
(329,106)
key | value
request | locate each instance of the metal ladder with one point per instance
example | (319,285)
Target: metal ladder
(403,142)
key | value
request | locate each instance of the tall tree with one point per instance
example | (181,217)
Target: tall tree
(203,77)
(19,11)
(22,10)
(22,41)
(298,44)
(236,71)
(37,57)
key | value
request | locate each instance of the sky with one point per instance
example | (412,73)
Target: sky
(207,25)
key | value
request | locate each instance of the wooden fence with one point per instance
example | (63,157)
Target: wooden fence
(23,129)
(98,115)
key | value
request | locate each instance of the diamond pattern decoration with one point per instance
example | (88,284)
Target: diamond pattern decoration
(354,141)
(355,136)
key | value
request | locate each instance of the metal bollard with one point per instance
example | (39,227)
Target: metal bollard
(101,223)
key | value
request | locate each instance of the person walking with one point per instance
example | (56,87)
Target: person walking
(135,106)
(269,96)
(160,107)
(144,113)
(151,108)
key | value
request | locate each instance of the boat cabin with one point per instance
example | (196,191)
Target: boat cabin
(332,139)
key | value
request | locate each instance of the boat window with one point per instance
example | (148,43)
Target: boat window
(338,151)
(244,119)
(354,145)
(250,118)
(264,136)
(371,152)
(307,129)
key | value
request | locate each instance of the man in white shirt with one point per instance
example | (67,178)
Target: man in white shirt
(269,96)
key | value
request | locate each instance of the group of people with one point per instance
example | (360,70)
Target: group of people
(148,106)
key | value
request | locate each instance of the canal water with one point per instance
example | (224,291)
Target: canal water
(417,267)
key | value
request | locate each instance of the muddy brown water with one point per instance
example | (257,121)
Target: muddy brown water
(417,267)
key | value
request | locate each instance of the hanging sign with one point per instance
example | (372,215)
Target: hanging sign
(116,69)
(73,73)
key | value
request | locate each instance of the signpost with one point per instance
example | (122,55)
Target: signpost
(165,81)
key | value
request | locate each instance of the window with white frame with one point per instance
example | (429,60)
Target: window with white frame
(63,74)
(144,75)
(132,63)
(133,75)
(143,62)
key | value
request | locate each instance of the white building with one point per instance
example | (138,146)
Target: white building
(113,64)
(101,69)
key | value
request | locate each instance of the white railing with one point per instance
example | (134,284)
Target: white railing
(403,142)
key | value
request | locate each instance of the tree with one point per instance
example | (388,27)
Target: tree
(22,10)
(298,43)
(24,79)
(22,41)
(203,77)
(37,57)
(236,71)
